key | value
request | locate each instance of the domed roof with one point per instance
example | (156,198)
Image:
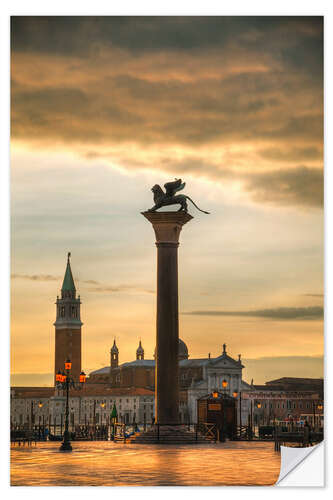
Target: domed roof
(182,350)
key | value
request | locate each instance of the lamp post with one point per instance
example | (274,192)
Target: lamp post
(224,386)
(258,405)
(40,406)
(32,416)
(235,395)
(102,405)
(65,381)
(320,408)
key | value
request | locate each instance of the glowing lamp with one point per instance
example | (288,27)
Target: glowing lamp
(83,377)
(58,376)
(102,405)
(235,394)
(215,394)
(63,377)
(258,404)
(40,404)
(68,364)
(320,407)
(224,383)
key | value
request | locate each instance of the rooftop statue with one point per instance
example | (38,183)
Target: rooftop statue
(169,197)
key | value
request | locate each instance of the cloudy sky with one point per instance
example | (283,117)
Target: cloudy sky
(102,109)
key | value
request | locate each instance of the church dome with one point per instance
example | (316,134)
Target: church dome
(182,350)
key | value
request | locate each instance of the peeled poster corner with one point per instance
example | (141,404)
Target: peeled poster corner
(302,467)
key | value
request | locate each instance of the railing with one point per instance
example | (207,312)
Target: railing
(305,437)
(22,437)
(208,431)
(54,432)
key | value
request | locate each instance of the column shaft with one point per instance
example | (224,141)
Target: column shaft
(166,374)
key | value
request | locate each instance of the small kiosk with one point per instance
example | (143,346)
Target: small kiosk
(217,414)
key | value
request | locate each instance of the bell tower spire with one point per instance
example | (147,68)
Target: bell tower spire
(68,325)
(114,351)
(68,288)
(140,353)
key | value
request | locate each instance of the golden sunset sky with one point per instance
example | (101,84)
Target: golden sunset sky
(102,109)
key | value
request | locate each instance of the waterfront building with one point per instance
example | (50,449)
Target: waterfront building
(92,405)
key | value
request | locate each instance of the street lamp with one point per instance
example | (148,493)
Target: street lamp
(224,384)
(215,394)
(235,394)
(102,405)
(314,414)
(64,381)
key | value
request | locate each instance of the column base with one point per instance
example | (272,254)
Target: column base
(169,434)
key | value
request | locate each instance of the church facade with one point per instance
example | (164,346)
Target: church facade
(197,377)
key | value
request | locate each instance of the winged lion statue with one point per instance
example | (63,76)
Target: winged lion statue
(169,197)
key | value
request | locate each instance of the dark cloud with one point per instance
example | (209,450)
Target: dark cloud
(297,186)
(36,277)
(235,84)
(279,313)
(81,35)
(128,109)
(99,288)
(291,155)
(120,288)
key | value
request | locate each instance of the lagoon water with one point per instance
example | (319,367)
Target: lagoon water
(106,463)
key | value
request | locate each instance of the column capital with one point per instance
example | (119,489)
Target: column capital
(167,225)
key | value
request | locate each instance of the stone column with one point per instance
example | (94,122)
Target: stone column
(167,227)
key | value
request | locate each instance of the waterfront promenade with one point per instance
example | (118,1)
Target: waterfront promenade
(114,464)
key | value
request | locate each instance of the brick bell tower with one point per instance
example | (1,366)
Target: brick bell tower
(68,326)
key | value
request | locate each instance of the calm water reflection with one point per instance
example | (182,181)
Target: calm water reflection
(110,464)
